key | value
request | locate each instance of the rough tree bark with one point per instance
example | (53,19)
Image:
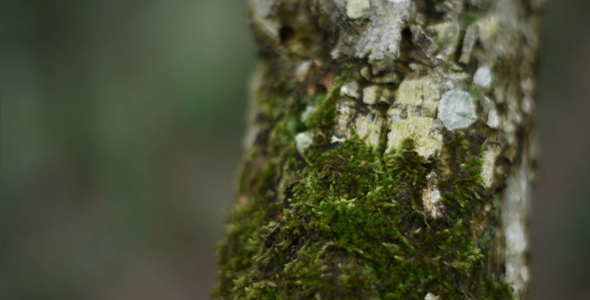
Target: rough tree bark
(388,154)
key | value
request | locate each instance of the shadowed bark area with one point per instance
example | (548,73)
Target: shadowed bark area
(388,154)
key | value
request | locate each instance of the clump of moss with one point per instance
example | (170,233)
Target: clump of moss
(469,17)
(476,92)
(323,117)
(347,221)
(353,227)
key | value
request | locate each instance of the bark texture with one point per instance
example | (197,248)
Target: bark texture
(388,153)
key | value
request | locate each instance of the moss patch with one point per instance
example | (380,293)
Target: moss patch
(469,17)
(345,221)
(476,92)
(352,227)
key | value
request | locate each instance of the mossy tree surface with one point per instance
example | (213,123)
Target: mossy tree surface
(388,153)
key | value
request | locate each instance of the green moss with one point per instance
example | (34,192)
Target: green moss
(476,92)
(323,117)
(495,80)
(348,221)
(469,17)
(354,228)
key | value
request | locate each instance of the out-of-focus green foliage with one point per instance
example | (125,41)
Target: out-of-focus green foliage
(121,129)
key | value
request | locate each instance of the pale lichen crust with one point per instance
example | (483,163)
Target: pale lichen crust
(457,110)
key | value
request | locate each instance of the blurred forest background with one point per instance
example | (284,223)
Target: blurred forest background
(121,127)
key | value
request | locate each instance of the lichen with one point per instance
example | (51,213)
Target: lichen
(414,127)
(447,37)
(483,77)
(431,296)
(370,94)
(424,91)
(514,208)
(354,8)
(489,163)
(379,42)
(431,198)
(350,89)
(368,128)
(456,110)
(303,140)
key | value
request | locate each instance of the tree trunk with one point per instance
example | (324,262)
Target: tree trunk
(388,153)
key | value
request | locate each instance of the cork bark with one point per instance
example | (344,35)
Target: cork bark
(388,153)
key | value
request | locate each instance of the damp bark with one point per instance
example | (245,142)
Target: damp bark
(389,152)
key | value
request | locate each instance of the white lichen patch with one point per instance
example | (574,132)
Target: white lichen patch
(303,141)
(351,123)
(344,114)
(489,163)
(380,41)
(424,91)
(428,141)
(368,128)
(302,70)
(516,237)
(527,105)
(431,296)
(457,79)
(528,86)
(516,272)
(483,77)
(431,198)
(335,139)
(370,94)
(489,109)
(366,73)
(447,37)
(350,89)
(515,207)
(498,31)
(386,96)
(488,28)
(391,77)
(493,119)
(354,8)
(264,18)
(456,110)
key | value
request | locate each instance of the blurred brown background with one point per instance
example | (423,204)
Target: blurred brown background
(121,125)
